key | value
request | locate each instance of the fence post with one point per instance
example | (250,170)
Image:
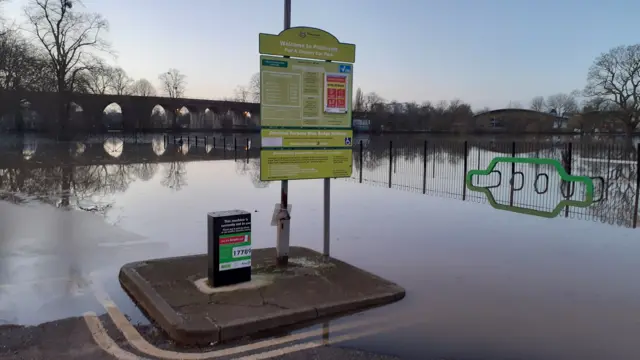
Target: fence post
(513,172)
(424,168)
(606,185)
(466,166)
(635,206)
(568,169)
(361,167)
(390,161)
(433,163)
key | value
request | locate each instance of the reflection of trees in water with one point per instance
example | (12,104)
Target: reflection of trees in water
(145,171)
(616,164)
(71,186)
(174,175)
(588,158)
(251,166)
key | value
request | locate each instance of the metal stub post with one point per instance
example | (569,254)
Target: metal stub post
(283,222)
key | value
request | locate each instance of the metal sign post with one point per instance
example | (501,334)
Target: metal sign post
(306,80)
(284,218)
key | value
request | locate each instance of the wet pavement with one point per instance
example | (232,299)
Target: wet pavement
(486,284)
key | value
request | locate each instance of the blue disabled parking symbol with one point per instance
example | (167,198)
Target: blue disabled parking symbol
(347,141)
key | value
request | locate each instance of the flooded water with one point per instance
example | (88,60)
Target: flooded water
(488,284)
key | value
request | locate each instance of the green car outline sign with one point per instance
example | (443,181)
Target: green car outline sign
(587,181)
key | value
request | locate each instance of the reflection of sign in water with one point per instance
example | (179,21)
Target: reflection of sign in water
(305,164)
(564,176)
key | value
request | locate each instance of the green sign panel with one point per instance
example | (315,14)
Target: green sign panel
(564,176)
(297,138)
(305,164)
(304,93)
(235,251)
(305,102)
(308,43)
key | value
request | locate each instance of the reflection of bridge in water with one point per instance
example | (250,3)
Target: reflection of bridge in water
(39,153)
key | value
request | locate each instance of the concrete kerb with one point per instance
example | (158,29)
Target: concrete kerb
(207,332)
(159,310)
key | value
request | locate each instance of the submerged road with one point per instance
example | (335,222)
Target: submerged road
(51,269)
(481,283)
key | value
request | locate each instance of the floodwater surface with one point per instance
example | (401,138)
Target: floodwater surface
(484,283)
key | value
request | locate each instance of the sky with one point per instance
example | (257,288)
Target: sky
(485,52)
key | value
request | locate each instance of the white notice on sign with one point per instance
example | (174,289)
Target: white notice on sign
(272,141)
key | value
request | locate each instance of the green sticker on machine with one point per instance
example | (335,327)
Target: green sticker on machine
(235,251)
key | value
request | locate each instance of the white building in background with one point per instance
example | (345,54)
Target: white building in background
(361,124)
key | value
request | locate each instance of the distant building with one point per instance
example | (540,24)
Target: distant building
(519,120)
(361,124)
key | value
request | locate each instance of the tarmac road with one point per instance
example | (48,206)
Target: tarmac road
(72,339)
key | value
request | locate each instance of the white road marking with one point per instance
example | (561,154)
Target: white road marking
(318,343)
(141,344)
(104,341)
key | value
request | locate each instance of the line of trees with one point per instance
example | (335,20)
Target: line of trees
(61,48)
(610,100)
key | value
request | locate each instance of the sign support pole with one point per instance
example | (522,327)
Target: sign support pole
(282,242)
(327,218)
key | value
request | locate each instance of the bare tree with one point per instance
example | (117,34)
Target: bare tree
(143,87)
(120,82)
(514,105)
(254,88)
(563,104)
(21,67)
(69,38)
(173,83)
(242,94)
(615,76)
(96,79)
(358,101)
(538,104)
(373,102)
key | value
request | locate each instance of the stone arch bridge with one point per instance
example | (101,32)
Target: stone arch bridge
(136,111)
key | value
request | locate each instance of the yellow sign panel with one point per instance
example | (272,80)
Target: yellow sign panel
(304,93)
(291,138)
(308,43)
(305,164)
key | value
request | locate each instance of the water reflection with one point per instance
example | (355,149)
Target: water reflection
(500,285)
(45,171)
(437,167)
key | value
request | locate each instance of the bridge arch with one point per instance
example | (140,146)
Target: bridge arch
(112,117)
(159,117)
(114,147)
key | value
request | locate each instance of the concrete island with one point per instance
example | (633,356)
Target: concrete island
(175,294)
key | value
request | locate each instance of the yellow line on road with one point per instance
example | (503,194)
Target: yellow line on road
(318,343)
(140,343)
(104,341)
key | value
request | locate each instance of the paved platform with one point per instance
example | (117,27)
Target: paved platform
(170,292)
